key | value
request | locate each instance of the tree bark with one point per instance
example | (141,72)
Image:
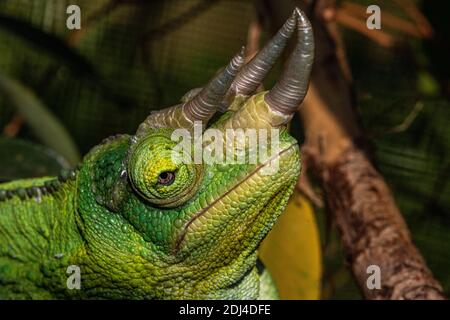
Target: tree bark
(372,228)
(373,231)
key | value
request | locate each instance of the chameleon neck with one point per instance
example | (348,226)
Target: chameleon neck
(38,236)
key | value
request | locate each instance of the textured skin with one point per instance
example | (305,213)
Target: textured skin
(198,242)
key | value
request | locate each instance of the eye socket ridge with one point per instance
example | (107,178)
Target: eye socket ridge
(166,178)
(156,177)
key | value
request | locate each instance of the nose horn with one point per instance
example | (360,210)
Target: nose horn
(251,75)
(290,90)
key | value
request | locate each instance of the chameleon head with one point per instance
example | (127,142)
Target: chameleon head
(203,219)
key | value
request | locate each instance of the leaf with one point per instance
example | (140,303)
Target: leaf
(43,123)
(292,251)
(48,42)
(21,159)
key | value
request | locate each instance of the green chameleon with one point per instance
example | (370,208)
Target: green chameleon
(132,222)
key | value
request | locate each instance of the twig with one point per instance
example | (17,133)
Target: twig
(408,120)
(388,19)
(421,21)
(379,36)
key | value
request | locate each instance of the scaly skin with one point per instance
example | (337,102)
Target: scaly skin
(203,248)
(33,235)
(141,225)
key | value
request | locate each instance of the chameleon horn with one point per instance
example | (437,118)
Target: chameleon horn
(203,106)
(290,90)
(200,108)
(251,75)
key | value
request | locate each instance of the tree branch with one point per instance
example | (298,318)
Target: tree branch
(372,228)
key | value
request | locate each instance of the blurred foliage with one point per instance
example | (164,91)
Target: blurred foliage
(132,56)
(44,125)
(21,159)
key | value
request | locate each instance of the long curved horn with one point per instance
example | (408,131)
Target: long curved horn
(252,74)
(203,106)
(290,90)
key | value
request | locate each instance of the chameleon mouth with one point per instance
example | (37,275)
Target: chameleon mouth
(249,176)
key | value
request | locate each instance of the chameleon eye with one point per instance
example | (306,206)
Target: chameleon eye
(166,178)
(157,176)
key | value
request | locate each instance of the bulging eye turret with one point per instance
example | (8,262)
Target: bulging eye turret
(160,174)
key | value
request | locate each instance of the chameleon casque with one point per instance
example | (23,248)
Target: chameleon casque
(140,225)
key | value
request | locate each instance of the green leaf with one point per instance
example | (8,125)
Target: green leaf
(49,43)
(292,252)
(427,85)
(43,123)
(21,159)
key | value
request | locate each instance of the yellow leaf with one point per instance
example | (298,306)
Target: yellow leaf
(291,251)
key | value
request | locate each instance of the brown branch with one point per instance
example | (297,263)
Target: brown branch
(419,18)
(388,20)
(406,123)
(372,228)
(347,19)
(305,187)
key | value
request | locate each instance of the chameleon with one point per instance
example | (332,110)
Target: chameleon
(135,223)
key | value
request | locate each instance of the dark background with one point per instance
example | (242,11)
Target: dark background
(133,56)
